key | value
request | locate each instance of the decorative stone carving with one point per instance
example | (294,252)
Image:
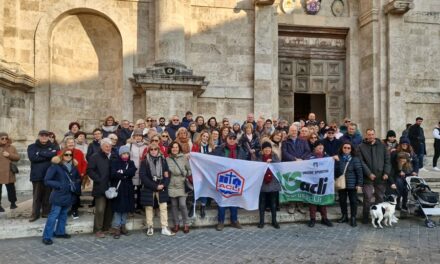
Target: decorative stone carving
(317,85)
(12,77)
(286,85)
(334,85)
(368,17)
(286,67)
(398,7)
(318,68)
(302,68)
(264,2)
(333,68)
(302,85)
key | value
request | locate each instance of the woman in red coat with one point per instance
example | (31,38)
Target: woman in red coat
(78,155)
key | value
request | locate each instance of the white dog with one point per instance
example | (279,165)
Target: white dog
(384,210)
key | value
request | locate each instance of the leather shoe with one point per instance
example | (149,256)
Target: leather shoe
(67,236)
(186,229)
(237,225)
(343,219)
(220,227)
(276,225)
(33,219)
(260,225)
(311,223)
(175,229)
(326,222)
(13,206)
(47,241)
(353,221)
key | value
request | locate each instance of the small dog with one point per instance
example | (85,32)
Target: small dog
(384,210)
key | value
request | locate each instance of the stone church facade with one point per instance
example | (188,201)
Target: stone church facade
(375,61)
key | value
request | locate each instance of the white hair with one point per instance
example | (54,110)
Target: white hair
(106,141)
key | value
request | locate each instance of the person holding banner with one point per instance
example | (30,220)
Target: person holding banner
(348,164)
(270,187)
(154,175)
(230,150)
(318,153)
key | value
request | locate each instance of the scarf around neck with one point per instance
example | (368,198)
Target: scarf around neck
(232,151)
(155,165)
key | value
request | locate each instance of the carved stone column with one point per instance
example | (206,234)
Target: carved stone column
(266,60)
(170,33)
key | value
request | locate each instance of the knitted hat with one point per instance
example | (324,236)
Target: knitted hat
(404,140)
(124,149)
(391,133)
(266,145)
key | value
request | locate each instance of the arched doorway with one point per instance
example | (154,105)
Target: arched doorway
(85,71)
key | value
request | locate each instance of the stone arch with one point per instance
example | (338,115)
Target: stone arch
(43,41)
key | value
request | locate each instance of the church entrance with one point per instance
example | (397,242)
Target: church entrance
(312,73)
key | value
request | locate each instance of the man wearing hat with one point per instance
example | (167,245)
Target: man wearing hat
(229,150)
(40,154)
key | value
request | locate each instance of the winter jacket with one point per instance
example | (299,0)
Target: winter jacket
(331,147)
(98,170)
(57,179)
(107,130)
(172,130)
(412,157)
(93,148)
(177,179)
(40,156)
(222,151)
(83,147)
(185,122)
(375,160)
(247,145)
(355,139)
(292,151)
(6,175)
(417,138)
(353,175)
(136,155)
(123,135)
(150,186)
(274,185)
(124,202)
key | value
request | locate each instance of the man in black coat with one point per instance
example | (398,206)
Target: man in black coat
(40,154)
(95,146)
(173,127)
(417,138)
(331,143)
(98,170)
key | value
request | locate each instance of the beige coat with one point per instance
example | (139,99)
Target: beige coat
(6,176)
(177,180)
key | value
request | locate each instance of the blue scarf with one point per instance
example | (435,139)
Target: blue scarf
(346,157)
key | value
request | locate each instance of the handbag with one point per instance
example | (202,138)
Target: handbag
(189,187)
(112,192)
(13,168)
(73,188)
(340,183)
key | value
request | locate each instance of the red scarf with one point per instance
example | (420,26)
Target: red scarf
(268,175)
(266,157)
(232,151)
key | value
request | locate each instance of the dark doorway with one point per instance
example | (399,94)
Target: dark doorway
(306,103)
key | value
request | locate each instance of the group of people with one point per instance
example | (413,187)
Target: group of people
(147,162)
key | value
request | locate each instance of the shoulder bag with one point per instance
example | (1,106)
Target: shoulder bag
(340,183)
(112,192)
(188,184)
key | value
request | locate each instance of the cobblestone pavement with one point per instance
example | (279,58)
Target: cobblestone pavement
(408,242)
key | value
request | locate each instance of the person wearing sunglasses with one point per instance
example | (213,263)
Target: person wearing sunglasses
(156,140)
(8,154)
(165,140)
(331,143)
(63,177)
(173,127)
(354,178)
(137,149)
(155,177)
(40,154)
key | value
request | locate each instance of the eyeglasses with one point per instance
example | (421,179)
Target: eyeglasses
(346,147)
(333,127)
(130,126)
(153,149)
(155,140)
(347,121)
(67,155)
(175,120)
(165,136)
(149,120)
(3,138)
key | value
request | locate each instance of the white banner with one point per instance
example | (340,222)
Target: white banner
(310,181)
(230,182)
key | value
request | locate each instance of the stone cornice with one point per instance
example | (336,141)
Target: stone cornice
(13,78)
(398,7)
(368,17)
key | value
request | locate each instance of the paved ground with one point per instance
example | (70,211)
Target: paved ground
(408,242)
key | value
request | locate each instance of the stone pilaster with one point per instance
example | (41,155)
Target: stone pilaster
(2,24)
(170,31)
(397,62)
(266,62)
(372,112)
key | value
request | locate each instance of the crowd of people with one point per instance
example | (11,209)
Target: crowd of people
(147,162)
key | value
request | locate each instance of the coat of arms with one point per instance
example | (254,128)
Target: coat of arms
(313,6)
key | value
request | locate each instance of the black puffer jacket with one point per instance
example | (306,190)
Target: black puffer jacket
(353,176)
(150,186)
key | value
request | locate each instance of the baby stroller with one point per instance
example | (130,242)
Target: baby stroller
(422,199)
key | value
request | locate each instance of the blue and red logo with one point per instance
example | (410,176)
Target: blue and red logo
(230,183)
